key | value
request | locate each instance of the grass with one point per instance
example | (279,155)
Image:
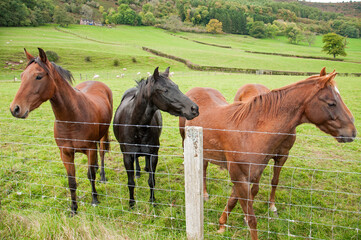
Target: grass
(320,184)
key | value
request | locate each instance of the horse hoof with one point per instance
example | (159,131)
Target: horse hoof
(275,213)
(152,201)
(103,179)
(245,222)
(273,209)
(95,202)
(131,203)
(73,213)
(221,229)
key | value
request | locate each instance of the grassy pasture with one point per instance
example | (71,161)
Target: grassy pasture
(319,193)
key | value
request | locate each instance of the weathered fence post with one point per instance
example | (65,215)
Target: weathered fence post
(193,174)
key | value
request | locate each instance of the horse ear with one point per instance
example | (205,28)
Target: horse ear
(328,78)
(167,72)
(42,55)
(28,55)
(323,71)
(156,74)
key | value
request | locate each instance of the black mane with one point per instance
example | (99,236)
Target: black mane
(141,83)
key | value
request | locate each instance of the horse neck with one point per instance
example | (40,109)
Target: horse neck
(282,110)
(144,109)
(64,101)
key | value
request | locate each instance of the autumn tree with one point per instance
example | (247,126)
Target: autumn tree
(334,44)
(214,26)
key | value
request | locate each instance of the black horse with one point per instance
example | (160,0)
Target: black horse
(138,122)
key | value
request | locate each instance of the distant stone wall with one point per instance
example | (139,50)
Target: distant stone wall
(197,67)
(196,41)
(296,56)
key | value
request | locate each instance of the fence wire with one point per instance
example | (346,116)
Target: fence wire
(318,194)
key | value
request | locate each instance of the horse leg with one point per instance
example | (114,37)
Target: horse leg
(92,160)
(232,201)
(254,192)
(129,166)
(104,147)
(279,162)
(153,161)
(205,193)
(67,156)
(137,172)
(245,199)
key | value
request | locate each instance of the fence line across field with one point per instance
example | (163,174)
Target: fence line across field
(177,148)
(208,178)
(196,194)
(172,127)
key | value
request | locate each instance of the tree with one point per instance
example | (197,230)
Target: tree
(310,37)
(334,44)
(214,26)
(294,34)
(86,12)
(257,29)
(25,12)
(271,30)
(147,18)
(61,17)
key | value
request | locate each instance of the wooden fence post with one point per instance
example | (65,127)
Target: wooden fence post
(193,174)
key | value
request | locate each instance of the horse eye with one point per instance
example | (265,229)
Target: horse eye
(38,77)
(333,104)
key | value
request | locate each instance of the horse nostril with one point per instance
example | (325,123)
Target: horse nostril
(354,134)
(194,109)
(16,111)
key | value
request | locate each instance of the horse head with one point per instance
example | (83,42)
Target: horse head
(328,112)
(165,94)
(37,85)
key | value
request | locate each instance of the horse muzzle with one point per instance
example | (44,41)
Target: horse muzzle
(18,113)
(345,138)
(194,112)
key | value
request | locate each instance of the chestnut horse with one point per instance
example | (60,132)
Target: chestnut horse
(249,91)
(137,123)
(82,114)
(245,150)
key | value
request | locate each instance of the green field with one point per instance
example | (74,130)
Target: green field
(319,193)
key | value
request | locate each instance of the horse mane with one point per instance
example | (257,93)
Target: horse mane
(269,102)
(141,83)
(63,73)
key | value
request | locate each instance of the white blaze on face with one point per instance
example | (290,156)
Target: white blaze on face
(336,89)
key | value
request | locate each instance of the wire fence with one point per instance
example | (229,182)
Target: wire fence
(318,196)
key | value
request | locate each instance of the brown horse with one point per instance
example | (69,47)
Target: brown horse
(82,114)
(245,150)
(249,91)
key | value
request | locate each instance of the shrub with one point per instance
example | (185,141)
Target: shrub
(257,29)
(214,26)
(134,60)
(115,62)
(87,59)
(52,56)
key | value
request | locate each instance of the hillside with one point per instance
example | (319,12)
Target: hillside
(350,9)
(259,19)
